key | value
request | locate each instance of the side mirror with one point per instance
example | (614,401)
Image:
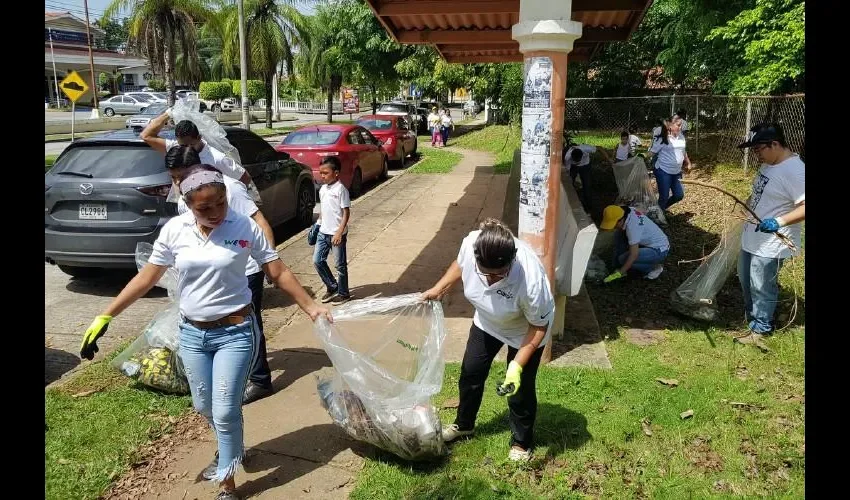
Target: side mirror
(283,156)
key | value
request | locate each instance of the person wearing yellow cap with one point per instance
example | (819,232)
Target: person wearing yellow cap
(639,244)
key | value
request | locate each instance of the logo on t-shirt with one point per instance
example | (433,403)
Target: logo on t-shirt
(239,243)
(758,189)
(639,216)
(507,295)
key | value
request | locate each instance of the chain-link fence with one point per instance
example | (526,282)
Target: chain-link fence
(716,124)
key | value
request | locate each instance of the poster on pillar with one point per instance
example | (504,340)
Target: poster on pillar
(536,142)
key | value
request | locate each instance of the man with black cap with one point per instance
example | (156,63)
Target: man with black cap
(779,200)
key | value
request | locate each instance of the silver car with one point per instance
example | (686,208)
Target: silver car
(140,121)
(122,105)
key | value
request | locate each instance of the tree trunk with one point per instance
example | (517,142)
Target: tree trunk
(374,99)
(268,77)
(330,103)
(168,47)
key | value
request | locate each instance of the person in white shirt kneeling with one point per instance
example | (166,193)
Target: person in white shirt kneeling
(505,281)
(639,244)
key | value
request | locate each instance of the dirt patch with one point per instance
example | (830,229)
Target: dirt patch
(643,337)
(148,472)
(700,454)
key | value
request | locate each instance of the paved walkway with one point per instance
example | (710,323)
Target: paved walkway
(402,237)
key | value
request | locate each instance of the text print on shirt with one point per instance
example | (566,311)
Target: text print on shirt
(241,243)
(507,295)
(758,190)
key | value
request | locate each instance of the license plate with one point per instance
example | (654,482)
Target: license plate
(92,211)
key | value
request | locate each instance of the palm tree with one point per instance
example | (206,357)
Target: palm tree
(159,29)
(320,60)
(211,43)
(272,31)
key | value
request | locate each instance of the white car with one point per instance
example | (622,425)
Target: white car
(228,104)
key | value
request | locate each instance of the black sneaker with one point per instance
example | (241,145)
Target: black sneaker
(340,300)
(328,296)
(227,495)
(255,392)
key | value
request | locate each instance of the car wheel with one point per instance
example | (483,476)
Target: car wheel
(202,107)
(356,183)
(415,148)
(305,202)
(81,272)
(109,112)
(397,163)
(385,172)
(215,108)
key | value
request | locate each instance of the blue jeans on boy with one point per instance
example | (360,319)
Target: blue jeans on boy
(759,278)
(647,259)
(666,183)
(320,258)
(218,362)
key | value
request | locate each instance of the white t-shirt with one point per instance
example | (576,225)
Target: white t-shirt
(211,279)
(240,202)
(446,121)
(211,156)
(332,198)
(671,155)
(586,150)
(623,151)
(634,142)
(777,190)
(656,132)
(434,120)
(640,230)
(505,309)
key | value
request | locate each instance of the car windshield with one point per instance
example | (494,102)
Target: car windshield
(311,137)
(376,124)
(155,109)
(109,162)
(394,108)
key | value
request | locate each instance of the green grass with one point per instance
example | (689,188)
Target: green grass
(499,140)
(589,434)
(49,160)
(436,161)
(94,439)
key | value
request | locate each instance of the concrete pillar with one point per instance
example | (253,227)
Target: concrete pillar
(546,34)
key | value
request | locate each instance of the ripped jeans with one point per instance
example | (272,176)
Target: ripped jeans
(217,363)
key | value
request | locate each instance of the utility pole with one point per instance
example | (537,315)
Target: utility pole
(53,60)
(243,65)
(94,111)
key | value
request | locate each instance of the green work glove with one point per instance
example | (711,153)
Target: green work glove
(614,276)
(96,330)
(512,380)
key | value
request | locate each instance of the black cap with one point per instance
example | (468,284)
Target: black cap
(764,133)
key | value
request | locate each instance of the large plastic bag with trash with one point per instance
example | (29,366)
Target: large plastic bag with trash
(152,359)
(635,188)
(387,365)
(208,127)
(696,296)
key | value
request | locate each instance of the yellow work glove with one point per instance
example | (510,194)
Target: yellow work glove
(96,330)
(613,276)
(512,380)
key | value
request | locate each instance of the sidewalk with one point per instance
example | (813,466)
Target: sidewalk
(403,236)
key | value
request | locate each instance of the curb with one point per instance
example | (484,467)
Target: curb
(302,235)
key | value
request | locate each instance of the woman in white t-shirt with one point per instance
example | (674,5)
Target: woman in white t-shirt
(448,125)
(506,283)
(670,160)
(639,244)
(435,123)
(209,247)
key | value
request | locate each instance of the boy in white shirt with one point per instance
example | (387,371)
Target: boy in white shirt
(333,231)
(779,200)
(624,148)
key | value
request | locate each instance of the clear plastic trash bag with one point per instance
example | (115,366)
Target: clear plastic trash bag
(152,359)
(695,297)
(635,188)
(388,363)
(209,128)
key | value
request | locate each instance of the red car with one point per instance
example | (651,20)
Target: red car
(360,153)
(394,132)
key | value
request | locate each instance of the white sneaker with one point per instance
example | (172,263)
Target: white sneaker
(453,432)
(516,455)
(655,273)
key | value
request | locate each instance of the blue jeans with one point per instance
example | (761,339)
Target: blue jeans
(320,257)
(217,363)
(445,133)
(647,259)
(759,278)
(666,183)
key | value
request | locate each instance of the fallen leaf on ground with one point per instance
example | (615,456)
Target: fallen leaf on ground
(672,382)
(84,393)
(746,406)
(645,425)
(686,414)
(451,403)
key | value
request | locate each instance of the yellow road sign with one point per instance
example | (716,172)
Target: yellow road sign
(73,86)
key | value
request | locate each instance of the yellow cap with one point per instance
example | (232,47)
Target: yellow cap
(610,216)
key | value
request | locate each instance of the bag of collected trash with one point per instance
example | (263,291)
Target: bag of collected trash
(695,297)
(210,130)
(152,358)
(387,364)
(635,189)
